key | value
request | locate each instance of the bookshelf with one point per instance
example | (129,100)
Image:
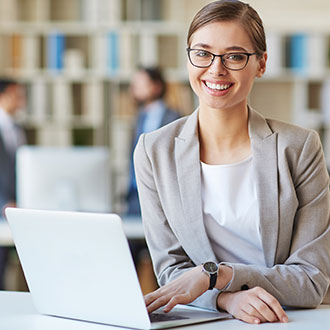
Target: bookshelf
(76,58)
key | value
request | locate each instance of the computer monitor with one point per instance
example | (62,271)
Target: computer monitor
(68,178)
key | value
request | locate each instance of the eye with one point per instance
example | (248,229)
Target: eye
(202,53)
(235,57)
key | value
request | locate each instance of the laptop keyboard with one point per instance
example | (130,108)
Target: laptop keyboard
(162,317)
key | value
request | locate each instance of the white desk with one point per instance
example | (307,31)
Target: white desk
(132,226)
(18,313)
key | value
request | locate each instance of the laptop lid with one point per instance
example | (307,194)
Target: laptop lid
(78,265)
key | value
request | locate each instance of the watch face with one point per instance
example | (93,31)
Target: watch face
(210,266)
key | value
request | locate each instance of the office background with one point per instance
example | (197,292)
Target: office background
(76,59)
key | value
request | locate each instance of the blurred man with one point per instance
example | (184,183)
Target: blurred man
(12,98)
(148,88)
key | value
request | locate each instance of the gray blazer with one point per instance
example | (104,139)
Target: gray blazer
(294,208)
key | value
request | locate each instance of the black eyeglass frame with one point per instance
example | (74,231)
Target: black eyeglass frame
(221,58)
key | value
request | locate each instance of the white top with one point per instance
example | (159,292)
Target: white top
(231,213)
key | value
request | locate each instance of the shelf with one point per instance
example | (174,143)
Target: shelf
(81,95)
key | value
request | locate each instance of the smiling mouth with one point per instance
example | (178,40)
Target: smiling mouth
(218,87)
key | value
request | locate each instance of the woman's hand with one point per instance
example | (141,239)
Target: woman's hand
(252,306)
(183,290)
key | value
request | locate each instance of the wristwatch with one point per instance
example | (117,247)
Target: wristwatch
(211,269)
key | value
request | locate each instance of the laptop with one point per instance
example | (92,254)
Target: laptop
(79,266)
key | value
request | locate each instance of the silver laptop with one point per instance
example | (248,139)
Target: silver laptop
(79,266)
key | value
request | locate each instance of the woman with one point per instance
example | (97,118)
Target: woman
(228,186)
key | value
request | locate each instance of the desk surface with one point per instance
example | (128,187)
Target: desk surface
(132,226)
(18,313)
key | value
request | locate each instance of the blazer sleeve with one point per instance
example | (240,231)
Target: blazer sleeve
(303,279)
(169,258)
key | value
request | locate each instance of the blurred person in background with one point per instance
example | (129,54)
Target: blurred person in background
(12,99)
(148,89)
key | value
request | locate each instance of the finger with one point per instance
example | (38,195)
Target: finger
(150,297)
(159,302)
(273,303)
(250,310)
(243,316)
(178,299)
(266,312)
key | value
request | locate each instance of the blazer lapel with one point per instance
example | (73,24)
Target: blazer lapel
(264,150)
(189,179)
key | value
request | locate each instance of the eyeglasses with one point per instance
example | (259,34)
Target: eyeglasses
(232,61)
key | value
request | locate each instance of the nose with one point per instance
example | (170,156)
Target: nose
(217,68)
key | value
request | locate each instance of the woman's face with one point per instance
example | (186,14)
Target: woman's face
(216,86)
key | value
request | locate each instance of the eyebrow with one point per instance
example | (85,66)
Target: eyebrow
(239,48)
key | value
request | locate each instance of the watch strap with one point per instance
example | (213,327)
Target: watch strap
(213,280)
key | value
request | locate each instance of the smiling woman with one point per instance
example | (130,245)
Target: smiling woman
(235,206)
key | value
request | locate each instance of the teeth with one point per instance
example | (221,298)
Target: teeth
(217,86)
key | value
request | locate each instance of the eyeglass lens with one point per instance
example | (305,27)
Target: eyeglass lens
(204,58)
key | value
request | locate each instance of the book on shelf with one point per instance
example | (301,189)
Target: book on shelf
(132,10)
(274,43)
(92,102)
(89,11)
(38,100)
(30,53)
(298,53)
(62,107)
(8,11)
(307,54)
(317,52)
(126,107)
(112,52)
(128,52)
(101,11)
(142,10)
(24,52)
(105,53)
(41,11)
(98,53)
(64,10)
(168,50)
(151,10)
(16,51)
(110,11)
(55,51)
(172,10)
(148,49)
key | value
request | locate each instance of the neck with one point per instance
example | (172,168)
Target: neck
(223,134)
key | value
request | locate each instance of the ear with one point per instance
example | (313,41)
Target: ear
(262,65)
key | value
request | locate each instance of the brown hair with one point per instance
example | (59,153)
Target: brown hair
(232,10)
